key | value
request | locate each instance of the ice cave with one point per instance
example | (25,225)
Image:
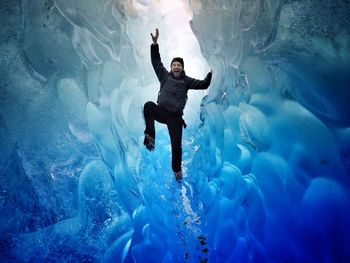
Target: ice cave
(265,156)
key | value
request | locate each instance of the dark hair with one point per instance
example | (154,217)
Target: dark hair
(178,59)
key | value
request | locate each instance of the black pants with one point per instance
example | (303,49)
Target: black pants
(153,112)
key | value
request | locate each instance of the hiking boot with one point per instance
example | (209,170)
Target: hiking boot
(178,175)
(149,142)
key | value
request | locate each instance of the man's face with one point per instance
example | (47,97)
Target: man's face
(176,68)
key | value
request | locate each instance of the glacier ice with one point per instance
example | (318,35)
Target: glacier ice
(265,155)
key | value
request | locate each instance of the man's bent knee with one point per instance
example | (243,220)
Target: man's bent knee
(149,105)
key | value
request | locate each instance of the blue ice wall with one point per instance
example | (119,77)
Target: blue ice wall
(266,155)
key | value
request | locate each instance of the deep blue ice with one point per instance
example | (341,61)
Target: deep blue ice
(266,154)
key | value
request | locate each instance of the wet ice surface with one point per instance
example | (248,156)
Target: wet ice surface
(265,155)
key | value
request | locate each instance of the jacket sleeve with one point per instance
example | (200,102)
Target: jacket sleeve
(157,64)
(199,84)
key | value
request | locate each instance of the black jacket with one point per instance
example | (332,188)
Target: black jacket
(173,90)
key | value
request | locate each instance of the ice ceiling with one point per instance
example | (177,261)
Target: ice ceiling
(266,154)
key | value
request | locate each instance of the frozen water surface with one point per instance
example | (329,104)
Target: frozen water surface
(266,155)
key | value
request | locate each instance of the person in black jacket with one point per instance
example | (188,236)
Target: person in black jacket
(172,98)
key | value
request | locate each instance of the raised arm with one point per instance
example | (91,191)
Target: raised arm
(199,84)
(157,64)
(155,37)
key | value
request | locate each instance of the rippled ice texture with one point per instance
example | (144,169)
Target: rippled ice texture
(266,154)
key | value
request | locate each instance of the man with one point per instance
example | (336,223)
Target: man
(171,102)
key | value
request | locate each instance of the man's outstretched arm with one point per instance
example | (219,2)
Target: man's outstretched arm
(155,37)
(200,84)
(157,64)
